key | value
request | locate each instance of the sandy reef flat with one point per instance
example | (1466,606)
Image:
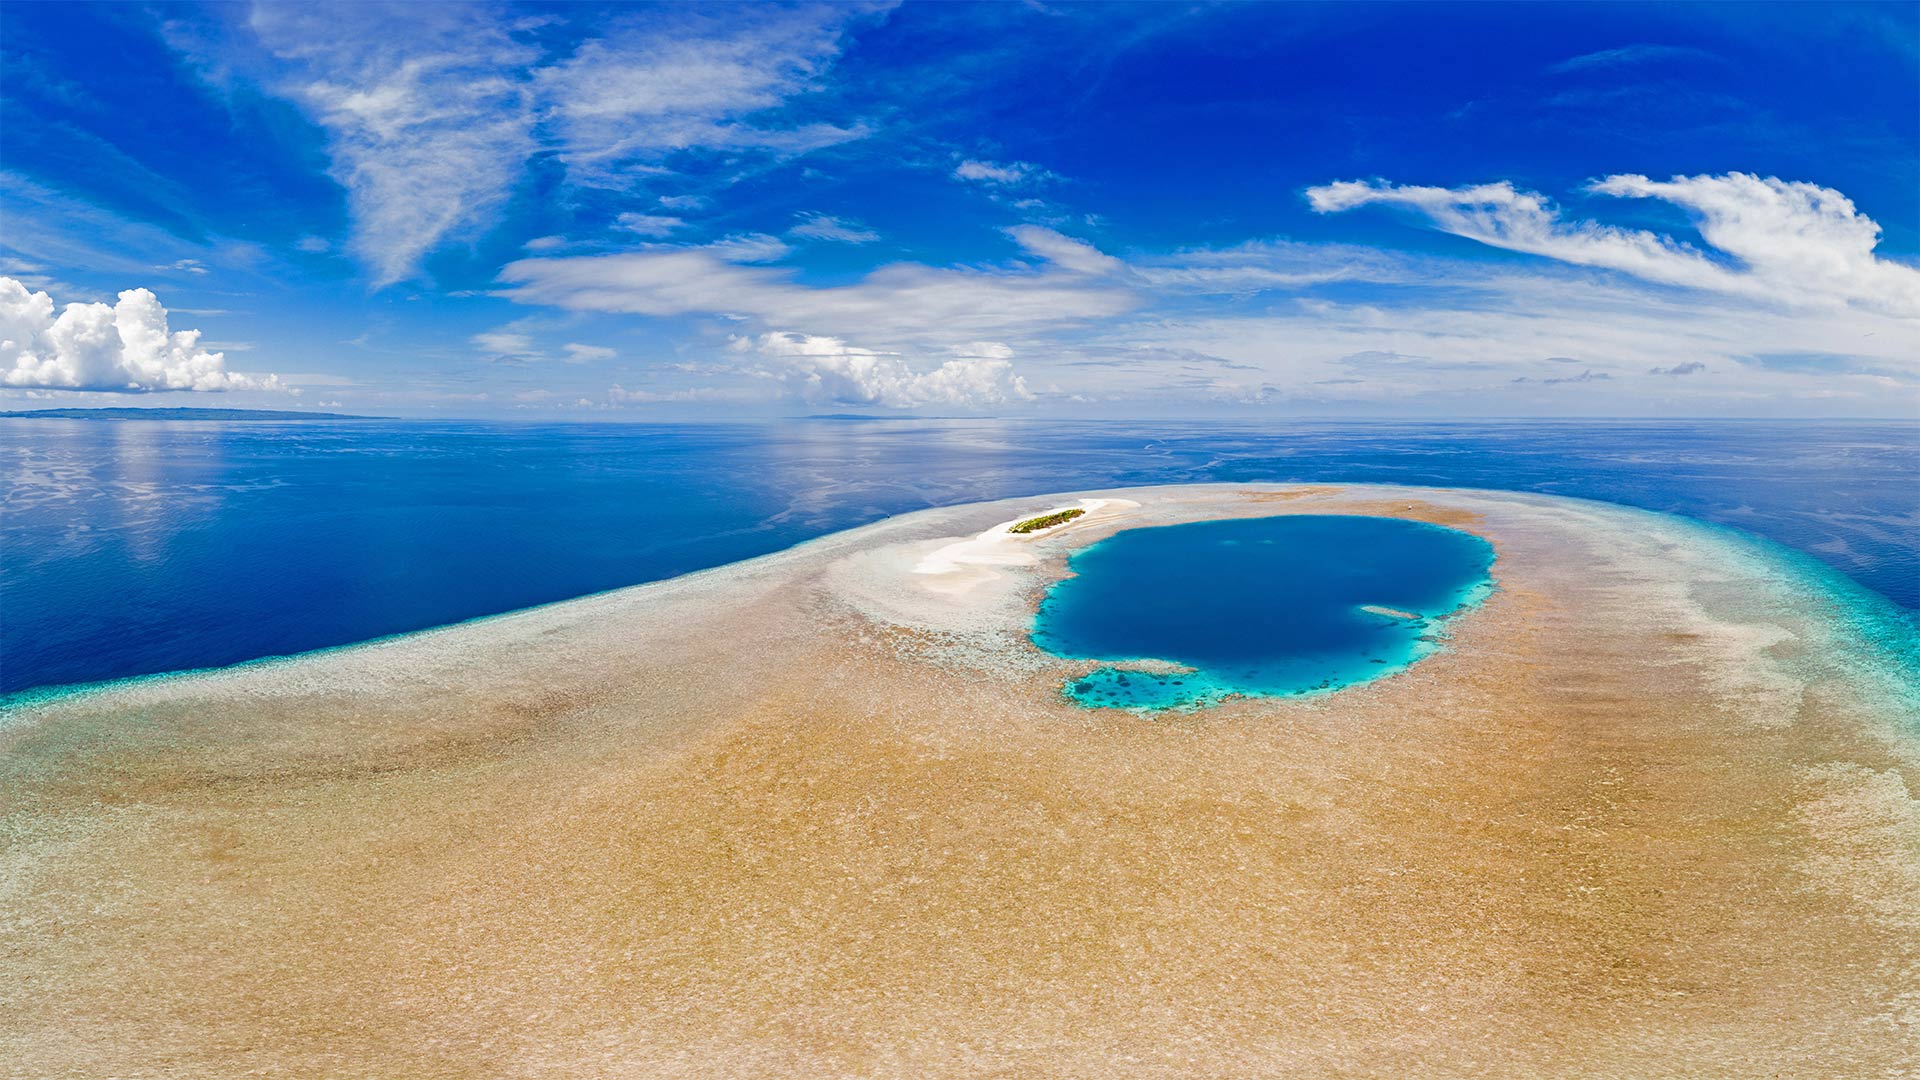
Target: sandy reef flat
(1650,813)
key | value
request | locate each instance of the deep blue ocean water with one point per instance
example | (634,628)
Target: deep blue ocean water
(1261,606)
(128,548)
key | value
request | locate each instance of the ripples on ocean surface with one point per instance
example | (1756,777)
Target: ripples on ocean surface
(135,547)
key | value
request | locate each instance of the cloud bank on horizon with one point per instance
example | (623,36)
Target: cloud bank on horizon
(125,348)
(662,211)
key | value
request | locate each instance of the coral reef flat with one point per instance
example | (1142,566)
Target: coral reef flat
(1649,812)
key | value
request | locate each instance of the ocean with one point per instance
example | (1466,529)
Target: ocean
(134,547)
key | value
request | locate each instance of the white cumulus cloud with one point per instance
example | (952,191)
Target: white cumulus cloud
(828,370)
(1794,244)
(1792,236)
(127,347)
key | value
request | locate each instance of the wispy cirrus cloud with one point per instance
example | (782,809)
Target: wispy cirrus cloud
(620,395)
(817,226)
(1792,244)
(1065,252)
(1809,362)
(1433,345)
(47,228)
(691,80)
(428,112)
(516,342)
(1259,266)
(579,353)
(901,303)
(1640,53)
(506,343)
(654,225)
(1003,174)
(433,112)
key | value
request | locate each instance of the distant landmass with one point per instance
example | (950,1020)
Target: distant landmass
(180,414)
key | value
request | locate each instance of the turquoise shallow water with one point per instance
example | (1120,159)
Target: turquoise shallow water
(1875,643)
(1260,607)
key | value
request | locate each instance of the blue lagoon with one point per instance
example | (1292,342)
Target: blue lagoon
(1259,607)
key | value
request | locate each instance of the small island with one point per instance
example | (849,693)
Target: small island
(1389,612)
(1046,521)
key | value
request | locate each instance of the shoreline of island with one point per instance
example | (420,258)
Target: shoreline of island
(1886,632)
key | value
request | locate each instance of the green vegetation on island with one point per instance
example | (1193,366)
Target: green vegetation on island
(1046,521)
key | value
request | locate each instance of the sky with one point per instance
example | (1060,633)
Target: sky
(1058,210)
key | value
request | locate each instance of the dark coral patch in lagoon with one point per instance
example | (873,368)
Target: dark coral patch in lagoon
(1259,607)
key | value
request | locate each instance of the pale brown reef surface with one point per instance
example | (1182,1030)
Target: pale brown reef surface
(818,815)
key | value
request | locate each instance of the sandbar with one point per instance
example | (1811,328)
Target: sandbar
(1650,812)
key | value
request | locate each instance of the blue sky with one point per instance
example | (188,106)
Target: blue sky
(659,212)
